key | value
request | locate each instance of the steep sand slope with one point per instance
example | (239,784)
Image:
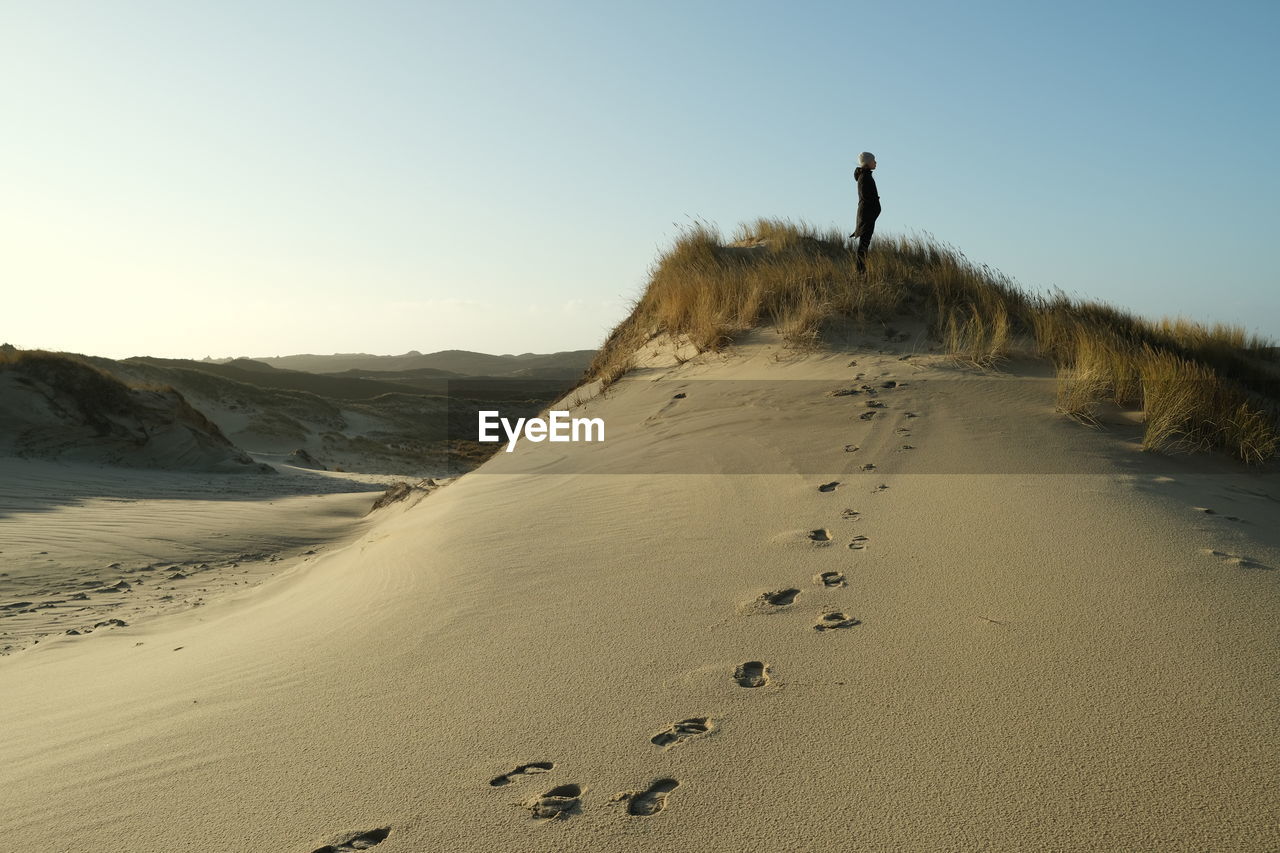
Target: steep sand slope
(1058,647)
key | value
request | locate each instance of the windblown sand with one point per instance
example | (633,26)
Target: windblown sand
(86,547)
(1033,636)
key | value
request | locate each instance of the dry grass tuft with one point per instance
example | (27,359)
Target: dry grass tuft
(705,291)
(1200,386)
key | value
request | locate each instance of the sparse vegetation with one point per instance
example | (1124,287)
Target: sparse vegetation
(96,395)
(1199,386)
(405,426)
(77,394)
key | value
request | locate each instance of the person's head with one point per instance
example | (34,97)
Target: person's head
(867,160)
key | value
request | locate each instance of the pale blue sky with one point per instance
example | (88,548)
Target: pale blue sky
(259,178)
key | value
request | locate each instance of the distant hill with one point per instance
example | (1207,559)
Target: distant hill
(195,378)
(567,365)
(377,414)
(351,387)
(59,406)
(399,375)
(377,421)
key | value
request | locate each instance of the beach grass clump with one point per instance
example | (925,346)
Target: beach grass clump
(1195,389)
(1199,386)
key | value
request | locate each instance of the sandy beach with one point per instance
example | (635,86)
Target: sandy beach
(754,618)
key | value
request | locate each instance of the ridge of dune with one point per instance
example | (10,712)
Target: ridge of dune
(57,406)
(1032,636)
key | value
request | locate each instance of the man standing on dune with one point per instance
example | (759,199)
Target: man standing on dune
(868,206)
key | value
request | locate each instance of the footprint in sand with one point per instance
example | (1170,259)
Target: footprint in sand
(858,543)
(906,447)
(875,404)
(829,487)
(681,732)
(1207,511)
(521,772)
(910,415)
(850,515)
(821,535)
(889,384)
(880,488)
(830,579)
(866,416)
(753,673)
(780,598)
(851,448)
(557,804)
(833,620)
(650,801)
(1239,560)
(868,467)
(675,401)
(358,841)
(902,431)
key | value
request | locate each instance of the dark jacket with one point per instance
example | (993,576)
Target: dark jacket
(868,200)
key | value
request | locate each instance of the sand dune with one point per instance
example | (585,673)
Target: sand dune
(762,615)
(85,548)
(56,406)
(376,420)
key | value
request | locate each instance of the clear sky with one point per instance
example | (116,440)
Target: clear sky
(249,177)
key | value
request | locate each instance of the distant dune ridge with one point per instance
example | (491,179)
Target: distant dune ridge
(459,362)
(56,406)
(840,578)
(413,420)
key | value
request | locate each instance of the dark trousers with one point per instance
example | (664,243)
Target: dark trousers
(863,234)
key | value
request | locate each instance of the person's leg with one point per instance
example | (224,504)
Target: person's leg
(864,242)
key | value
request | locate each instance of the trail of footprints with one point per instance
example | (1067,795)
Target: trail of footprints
(565,800)
(562,801)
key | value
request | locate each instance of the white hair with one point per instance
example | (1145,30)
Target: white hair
(866,157)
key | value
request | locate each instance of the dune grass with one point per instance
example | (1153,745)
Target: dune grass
(1200,387)
(97,395)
